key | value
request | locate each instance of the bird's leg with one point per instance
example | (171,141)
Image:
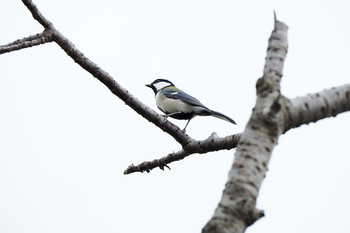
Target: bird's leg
(169,115)
(186,124)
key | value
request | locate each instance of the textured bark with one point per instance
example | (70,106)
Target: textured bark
(236,210)
(317,106)
(272,115)
(30,41)
(213,143)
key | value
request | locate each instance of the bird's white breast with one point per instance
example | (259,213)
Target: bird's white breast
(172,105)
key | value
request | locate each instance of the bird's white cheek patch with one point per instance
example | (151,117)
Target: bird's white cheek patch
(160,85)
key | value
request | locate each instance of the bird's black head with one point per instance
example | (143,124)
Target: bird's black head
(159,84)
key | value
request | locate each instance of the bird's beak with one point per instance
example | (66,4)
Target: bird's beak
(148,85)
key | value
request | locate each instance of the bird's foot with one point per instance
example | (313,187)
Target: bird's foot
(165,118)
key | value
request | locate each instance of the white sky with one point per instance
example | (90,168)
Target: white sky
(65,140)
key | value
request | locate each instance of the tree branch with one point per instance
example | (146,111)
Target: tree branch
(37,14)
(317,106)
(30,41)
(130,100)
(236,210)
(213,143)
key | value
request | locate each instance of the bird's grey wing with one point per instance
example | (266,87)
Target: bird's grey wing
(175,93)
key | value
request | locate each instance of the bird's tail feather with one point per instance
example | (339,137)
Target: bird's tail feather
(221,116)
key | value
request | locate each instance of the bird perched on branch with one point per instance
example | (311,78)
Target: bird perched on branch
(180,105)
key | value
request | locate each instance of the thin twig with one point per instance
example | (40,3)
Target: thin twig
(213,143)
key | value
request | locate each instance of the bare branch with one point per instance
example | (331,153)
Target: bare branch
(105,78)
(119,91)
(37,14)
(30,41)
(213,143)
(317,106)
(273,115)
(236,210)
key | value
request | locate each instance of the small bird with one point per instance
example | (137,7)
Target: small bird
(180,105)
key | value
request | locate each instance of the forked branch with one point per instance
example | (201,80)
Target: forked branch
(27,42)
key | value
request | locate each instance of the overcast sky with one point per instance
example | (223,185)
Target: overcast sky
(65,139)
